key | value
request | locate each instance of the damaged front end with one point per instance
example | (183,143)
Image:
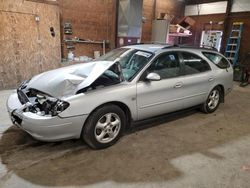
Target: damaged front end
(37,113)
(36,105)
(45,94)
(39,103)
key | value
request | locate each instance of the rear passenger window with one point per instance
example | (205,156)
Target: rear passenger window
(166,65)
(217,59)
(194,64)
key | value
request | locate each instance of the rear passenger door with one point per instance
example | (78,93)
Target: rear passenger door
(197,80)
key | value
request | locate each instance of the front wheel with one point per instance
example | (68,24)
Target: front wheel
(213,101)
(104,127)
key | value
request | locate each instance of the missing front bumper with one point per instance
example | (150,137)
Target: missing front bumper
(45,128)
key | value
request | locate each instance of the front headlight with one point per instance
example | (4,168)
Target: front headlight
(59,107)
(50,106)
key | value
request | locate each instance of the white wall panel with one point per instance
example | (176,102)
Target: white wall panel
(217,7)
(241,6)
(207,8)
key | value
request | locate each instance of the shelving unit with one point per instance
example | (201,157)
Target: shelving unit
(103,43)
(70,41)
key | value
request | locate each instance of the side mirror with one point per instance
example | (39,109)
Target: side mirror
(153,77)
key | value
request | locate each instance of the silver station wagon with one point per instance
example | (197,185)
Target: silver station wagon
(97,101)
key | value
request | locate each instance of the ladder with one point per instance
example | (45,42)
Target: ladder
(233,43)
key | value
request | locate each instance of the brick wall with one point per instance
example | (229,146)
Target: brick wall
(93,19)
(96,20)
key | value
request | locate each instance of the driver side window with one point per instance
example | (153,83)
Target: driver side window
(166,65)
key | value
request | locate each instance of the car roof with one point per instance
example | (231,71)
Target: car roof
(157,47)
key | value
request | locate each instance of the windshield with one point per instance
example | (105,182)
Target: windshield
(131,60)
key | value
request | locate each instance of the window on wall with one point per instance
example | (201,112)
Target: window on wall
(166,65)
(217,59)
(194,64)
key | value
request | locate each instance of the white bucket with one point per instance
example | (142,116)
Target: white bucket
(70,56)
(97,54)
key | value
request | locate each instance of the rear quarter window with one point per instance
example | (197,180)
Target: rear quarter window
(217,59)
(194,64)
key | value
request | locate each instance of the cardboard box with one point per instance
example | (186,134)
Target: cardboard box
(187,22)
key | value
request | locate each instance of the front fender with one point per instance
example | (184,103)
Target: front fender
(85,103)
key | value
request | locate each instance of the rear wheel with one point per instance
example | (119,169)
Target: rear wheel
(213,101)
(104,127)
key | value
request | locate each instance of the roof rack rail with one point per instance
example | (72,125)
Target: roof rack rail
(164,45)
(209,47)
(191,46)
(171,46)
(167,45)
(161,43)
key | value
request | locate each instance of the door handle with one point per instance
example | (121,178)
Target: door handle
(210,79)
(178,85)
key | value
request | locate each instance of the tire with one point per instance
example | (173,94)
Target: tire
(213,101)
(104,126)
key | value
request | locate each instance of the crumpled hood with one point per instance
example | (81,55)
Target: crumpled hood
(68,80)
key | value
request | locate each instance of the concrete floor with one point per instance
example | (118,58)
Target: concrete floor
(190,149)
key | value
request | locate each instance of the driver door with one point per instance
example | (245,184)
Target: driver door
(162,96)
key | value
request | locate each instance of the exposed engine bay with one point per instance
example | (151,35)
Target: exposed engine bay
(40,103)
(44,104)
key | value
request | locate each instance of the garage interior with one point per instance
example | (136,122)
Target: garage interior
(184,149)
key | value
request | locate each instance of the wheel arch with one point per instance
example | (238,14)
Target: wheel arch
(121,105)
(223,92)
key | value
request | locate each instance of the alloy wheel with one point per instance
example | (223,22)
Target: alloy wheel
(107,128)
(213,99)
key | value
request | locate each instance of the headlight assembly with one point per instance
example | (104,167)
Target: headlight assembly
(59,107)
(50,106)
